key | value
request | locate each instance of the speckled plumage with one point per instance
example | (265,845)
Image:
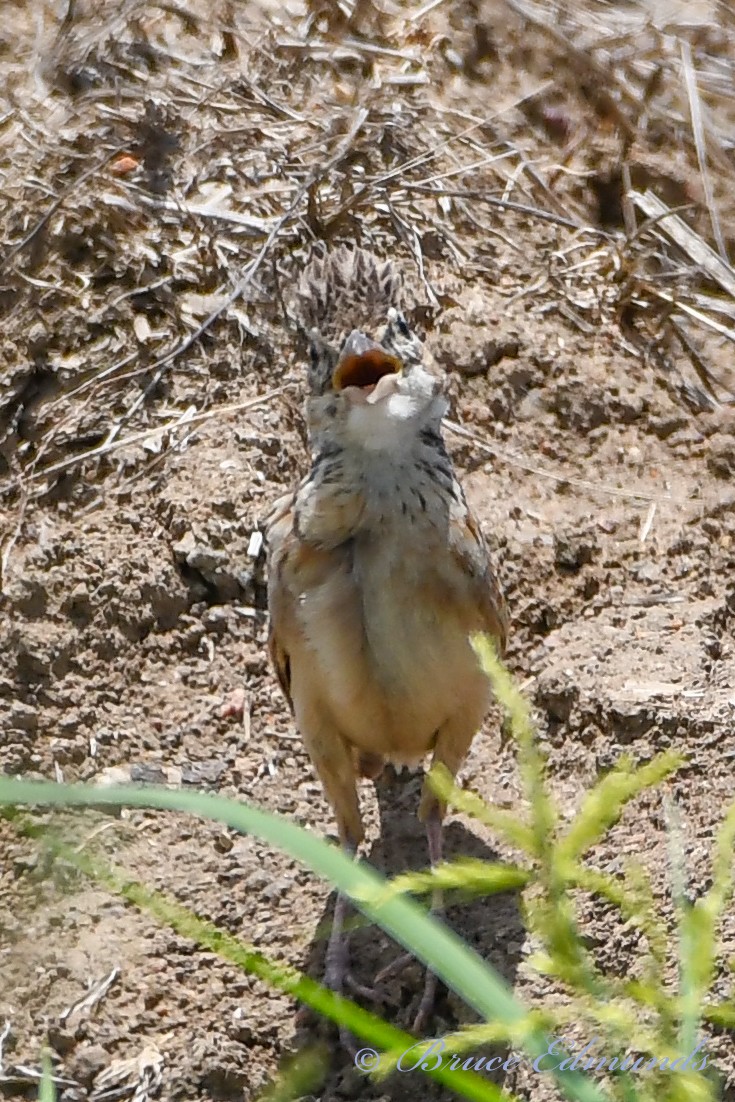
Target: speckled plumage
(380,522)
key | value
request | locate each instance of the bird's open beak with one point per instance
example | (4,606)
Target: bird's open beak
(363,363)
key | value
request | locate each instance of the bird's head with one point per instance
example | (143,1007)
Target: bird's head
(373,391)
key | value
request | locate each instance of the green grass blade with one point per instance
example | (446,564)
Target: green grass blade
(530,761)
(301,1075)
(169,912)
(468,875)
(460,968)
(687,920)
(720,1014)
(604,804)
(46,1091)
(508,824)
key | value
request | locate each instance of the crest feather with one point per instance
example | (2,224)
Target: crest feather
(345,289)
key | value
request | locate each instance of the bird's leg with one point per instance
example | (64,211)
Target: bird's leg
(337,957)
(334,762)
(337,975)
(338,772)
(428,997)
(450,750)
(434,838)
(452,743)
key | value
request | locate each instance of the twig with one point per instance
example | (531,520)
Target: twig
(647,524)
(12,540)
(95,993)
(695,248)
(696,314)
(413,241)
(71,190)
(424,10)
(4,1034)
(193,210)
(695,110)
(517,461)
(697,362)
(137,437)
(505,204)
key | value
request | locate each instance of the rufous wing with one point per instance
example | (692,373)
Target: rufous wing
(469,551)
(279,534)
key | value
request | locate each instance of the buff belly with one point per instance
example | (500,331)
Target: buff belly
(392,670)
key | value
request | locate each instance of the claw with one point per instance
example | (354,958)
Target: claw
(428,997)
(361,989)
(426,1006)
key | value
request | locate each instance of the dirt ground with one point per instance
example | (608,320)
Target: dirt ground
(160,164)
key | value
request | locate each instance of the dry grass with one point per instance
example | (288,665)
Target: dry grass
(166,167)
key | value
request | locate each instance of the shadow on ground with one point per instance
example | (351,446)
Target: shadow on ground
(490,925)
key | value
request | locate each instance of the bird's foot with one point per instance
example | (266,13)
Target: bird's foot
(426,1003)
(361,989)
(337,974)
(428,995)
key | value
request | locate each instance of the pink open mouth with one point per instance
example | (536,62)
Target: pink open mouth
(365,369)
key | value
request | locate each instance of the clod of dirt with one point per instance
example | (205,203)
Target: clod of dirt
(721,456)
(557,694)
(23,717)
(572,552)
(208,571)
(457,347)
(87,1062)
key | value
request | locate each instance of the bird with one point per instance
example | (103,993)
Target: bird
(378,572)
